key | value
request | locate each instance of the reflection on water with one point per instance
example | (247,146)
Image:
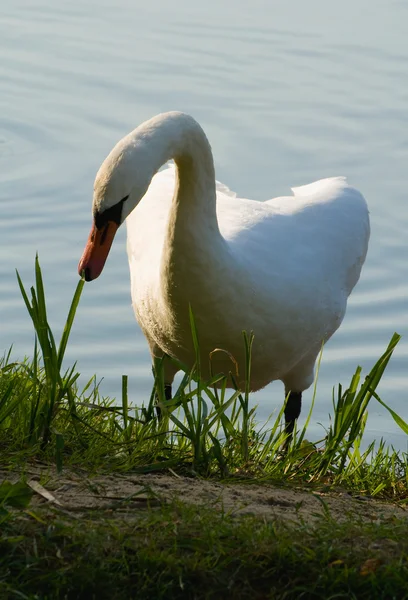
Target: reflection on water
(287,94)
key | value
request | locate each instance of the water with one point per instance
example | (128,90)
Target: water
(287,93)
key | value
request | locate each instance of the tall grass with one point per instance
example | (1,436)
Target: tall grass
(57,385)
(204,429)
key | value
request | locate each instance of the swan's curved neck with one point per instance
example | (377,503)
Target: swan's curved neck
(179,137)
(194,194)
(192,237)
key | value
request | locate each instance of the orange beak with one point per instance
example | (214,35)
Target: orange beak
(96,250)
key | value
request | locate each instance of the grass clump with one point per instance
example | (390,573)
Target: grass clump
(182,551)
(204,429)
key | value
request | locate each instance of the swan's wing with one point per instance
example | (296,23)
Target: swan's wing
(322,187)
(322,229)
(318,192)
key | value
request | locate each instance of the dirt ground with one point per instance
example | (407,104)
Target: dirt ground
(78,492)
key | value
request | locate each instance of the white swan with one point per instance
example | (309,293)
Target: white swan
(281,268)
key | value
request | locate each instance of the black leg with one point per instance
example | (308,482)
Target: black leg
(167,395)
(292,411)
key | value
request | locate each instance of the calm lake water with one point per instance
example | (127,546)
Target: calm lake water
(287,93)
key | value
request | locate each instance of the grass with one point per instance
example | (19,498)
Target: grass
(180,551)
(205,431)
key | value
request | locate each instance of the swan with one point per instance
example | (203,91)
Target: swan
(282,268)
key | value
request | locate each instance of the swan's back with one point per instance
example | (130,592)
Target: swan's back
(316,239)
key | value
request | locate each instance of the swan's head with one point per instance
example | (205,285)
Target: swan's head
(120,184)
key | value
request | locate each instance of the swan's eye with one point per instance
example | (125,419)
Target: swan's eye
(114,213)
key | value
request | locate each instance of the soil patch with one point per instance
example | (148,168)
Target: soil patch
(80,492)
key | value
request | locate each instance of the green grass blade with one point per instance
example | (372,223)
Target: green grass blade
(24,295)
(194,336)
(40,294)
(125,403)
(309,416)
(69,322)
(399,420)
